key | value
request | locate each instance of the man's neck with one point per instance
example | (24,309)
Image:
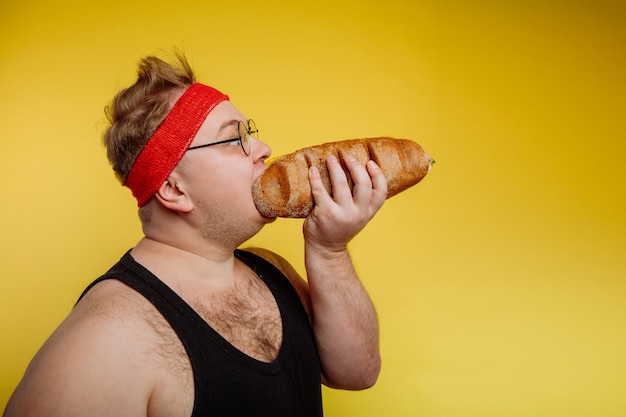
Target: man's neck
(180,265)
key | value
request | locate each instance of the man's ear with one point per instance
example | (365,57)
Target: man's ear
(173,197)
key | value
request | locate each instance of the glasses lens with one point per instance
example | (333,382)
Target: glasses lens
(252,130)
(244,140)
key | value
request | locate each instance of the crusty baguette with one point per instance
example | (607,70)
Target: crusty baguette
(283,190)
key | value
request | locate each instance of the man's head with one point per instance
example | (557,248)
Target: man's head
(153,122)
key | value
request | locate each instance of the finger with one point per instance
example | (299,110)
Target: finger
(362,191)
(379,184)
(338,180)
(318,191)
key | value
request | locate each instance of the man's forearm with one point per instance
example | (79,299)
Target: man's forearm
(344,320)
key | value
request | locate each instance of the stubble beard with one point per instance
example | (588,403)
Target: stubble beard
(225,229)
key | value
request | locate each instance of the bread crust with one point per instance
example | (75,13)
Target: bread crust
(283,190)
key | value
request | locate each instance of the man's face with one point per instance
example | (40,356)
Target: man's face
(219,178)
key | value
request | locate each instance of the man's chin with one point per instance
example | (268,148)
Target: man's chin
(269,219)
(266,220)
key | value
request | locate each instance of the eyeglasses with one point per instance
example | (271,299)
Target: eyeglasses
(243,139)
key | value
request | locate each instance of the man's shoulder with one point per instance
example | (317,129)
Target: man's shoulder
(112,320)
(110,298)
(100,352)
(113,309)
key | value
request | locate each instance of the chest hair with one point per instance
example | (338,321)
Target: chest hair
(247,316)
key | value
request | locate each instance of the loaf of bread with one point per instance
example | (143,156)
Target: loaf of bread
(283,190)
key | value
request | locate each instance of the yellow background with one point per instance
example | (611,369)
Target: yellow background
(499,280)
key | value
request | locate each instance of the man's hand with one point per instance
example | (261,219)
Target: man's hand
(336,219)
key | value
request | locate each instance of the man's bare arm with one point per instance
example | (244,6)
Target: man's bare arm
(344,319)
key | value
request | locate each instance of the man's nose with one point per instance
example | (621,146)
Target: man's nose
(260,150)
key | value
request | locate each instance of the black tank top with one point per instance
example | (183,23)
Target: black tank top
(227,381)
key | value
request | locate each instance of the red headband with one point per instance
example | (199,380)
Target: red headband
(171,140)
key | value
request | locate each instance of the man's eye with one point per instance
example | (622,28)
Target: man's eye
(233,141)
